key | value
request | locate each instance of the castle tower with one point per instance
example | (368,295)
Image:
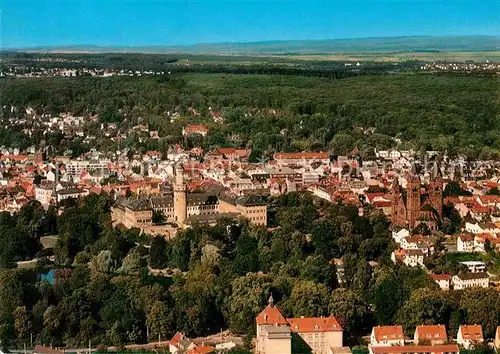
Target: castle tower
(436,189)
(413,196)
(180,195)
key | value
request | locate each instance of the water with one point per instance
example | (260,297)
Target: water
(49,276)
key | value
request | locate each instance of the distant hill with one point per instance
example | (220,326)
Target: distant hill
(357,45)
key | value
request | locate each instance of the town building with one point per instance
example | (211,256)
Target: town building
(416,349)
(470,335)
(469,280)
(443,280)
(430,334)
(387,335)
(277,334)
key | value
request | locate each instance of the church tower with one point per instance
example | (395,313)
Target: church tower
(180,195)
(413,196)
(436,189)
(395,203)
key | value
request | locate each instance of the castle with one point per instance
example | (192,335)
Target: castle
(184,208)
(416,205)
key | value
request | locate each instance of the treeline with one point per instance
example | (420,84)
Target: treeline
(221,277)
(457,114)
(198,63)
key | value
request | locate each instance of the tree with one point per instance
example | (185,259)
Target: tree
(248,299)
(160,320)
(158,217)
(350,310)
(482,305)
(157,252)
(319,270)
(424,306)
(22,322)
(103,262)
(246,257)
(309,299)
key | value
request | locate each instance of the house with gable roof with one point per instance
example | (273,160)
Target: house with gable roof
(470,335)
(277,334)
(387,335)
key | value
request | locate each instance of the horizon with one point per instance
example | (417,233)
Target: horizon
(173,23)
(253,42)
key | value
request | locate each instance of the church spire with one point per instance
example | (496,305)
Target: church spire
(270,301)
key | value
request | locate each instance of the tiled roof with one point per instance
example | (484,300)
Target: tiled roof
(314,324)
(399,349)
(431,332)
(301,155)
(472,332)
(271,316)
(384,333)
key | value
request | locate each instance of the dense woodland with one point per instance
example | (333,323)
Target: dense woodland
(456,113)
(221,277)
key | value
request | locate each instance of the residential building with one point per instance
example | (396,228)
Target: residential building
(474,266)
(469,280)
(465,243)
(387,335)
(195,129)
(430,334)
(470,335)
(301,158)
(277,334)
(443,280)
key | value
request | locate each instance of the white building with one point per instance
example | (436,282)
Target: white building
(469,280)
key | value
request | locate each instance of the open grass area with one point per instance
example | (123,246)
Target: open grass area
(48,241)
(492,56)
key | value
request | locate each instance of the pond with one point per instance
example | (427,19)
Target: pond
(49,276)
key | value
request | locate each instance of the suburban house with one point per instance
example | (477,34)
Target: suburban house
(465,243)
(470,335)
(387,335)
(443,280)
(195,129)
(277,334)
(430,334)
(469,280)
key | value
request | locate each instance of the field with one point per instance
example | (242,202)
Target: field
(479,56)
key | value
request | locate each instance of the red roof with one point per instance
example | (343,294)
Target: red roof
(201,349)
(314,324)
(271,316)
(39,349)
(472,332)
(177,338)
(398,349)
(384,333)
(195,128)
(301,155)
(431,332)
(440,276)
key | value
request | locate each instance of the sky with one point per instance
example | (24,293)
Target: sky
(30,23)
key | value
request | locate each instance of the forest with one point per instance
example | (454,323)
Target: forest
(220,277)
(459,114)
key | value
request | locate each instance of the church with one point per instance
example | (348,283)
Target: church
(418,205)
